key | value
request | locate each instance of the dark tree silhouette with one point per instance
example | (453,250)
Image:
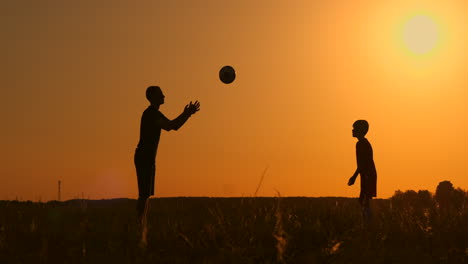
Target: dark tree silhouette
(412,201)
(425,199)
(448,198)
(443,195)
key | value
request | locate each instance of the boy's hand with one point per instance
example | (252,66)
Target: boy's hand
(351,180)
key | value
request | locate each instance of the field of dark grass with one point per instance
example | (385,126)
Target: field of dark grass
(233,230)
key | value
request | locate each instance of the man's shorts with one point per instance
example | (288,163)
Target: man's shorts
(145,169)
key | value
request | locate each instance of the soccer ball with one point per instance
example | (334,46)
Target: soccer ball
(227,74)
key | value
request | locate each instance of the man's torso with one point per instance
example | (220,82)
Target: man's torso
(150,131)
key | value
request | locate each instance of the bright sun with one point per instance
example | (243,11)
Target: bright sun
(420,34)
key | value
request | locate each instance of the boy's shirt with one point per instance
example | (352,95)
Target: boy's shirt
(364,156)
(366,166)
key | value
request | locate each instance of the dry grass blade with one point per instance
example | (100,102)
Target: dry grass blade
(261,181)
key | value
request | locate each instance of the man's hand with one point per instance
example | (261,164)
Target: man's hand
(351,180)
(192,108)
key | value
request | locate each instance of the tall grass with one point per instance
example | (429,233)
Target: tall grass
(232,230)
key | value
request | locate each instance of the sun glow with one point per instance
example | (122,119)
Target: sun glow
(420,34)
(410,43)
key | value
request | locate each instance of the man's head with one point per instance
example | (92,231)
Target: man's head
(155,95)
(360,128)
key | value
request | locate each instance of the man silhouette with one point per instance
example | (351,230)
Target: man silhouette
(365,167)
(152,121)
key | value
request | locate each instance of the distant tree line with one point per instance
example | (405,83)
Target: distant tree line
(446,198)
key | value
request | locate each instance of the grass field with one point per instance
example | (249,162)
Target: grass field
(233,230)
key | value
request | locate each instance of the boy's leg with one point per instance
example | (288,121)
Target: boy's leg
(366,210)
(364,201)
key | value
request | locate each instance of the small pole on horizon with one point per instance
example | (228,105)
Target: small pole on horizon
(59,183)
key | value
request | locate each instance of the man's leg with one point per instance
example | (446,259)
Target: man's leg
(144,170)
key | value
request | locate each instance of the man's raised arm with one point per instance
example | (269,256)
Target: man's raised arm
(175,124)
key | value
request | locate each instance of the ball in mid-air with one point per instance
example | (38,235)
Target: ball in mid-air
(227,74)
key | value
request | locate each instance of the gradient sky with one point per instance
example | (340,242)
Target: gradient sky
(74,75)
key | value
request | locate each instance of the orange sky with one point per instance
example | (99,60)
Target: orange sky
(74,75)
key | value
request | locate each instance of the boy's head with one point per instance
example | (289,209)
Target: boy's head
(360,128)
(155,95)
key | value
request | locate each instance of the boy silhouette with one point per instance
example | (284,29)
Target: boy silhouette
(152,121)
(365,167)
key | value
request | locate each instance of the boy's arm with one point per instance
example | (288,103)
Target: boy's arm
(361,156)
(353,178)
